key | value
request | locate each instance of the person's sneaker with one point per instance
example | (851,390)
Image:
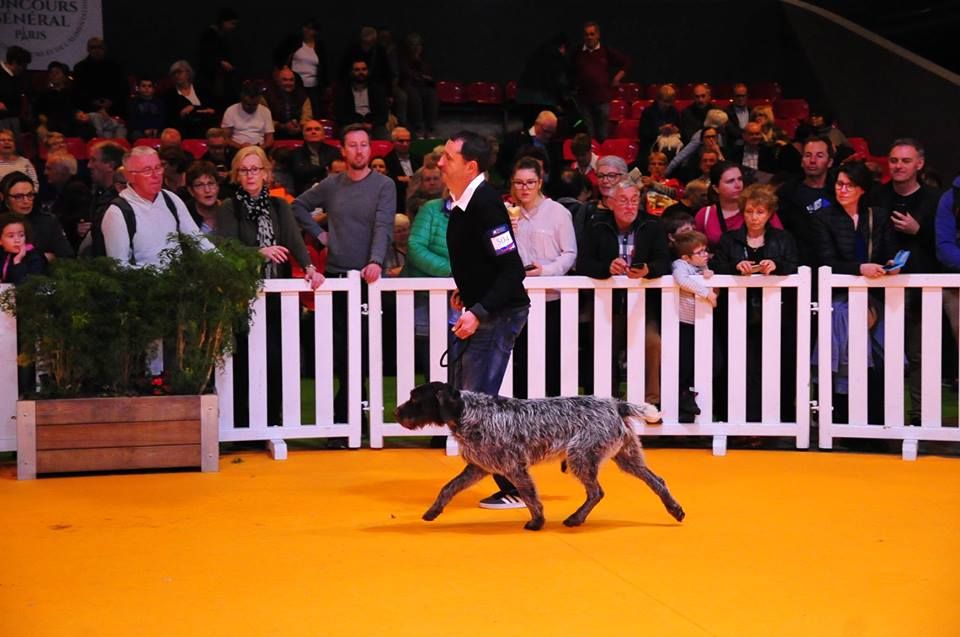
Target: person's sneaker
(501,500)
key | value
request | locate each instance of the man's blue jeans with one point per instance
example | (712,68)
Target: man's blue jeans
(479,362)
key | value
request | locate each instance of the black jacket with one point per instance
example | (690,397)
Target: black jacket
(305,172)
(651,119)
(345,110)
(923,245)
(766,159)
(778,246)
(488,282)
(836,238)
(798,221)
(600,244)
(394,170)
(33,263)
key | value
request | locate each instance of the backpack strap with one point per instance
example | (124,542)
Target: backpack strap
(131,220)
(172,208)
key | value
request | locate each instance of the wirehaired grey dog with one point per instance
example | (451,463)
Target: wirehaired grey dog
(508,435)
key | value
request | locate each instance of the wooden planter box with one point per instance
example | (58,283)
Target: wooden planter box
(103,434)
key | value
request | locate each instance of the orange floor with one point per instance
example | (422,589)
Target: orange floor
(330,543)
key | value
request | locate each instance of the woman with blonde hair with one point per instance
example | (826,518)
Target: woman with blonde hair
(772,134)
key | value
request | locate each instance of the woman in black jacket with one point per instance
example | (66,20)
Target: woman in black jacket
(258,220)
(853,238)
(758,248)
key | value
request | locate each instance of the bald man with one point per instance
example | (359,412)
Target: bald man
(543,135)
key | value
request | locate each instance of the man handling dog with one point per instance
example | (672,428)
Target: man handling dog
(489,275)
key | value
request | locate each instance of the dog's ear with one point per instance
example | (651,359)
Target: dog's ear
(449,403)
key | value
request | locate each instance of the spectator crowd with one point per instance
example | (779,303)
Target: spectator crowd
(714,188)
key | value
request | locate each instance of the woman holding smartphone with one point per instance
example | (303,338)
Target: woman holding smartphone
(547,244)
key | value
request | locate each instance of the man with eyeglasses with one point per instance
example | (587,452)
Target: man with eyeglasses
(692,117)
(738,114)
(157,214)
(401,164)
(310,163)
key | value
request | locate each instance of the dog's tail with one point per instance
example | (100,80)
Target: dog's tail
(645,411)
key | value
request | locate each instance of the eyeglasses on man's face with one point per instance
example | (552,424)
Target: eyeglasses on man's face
(149,170)
(609,176)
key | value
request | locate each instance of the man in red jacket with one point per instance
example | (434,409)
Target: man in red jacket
(598,70)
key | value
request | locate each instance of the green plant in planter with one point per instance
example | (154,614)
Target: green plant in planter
(207,296)
(92,322)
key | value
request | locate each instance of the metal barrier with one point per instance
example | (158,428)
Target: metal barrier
(893,428)
(569,288)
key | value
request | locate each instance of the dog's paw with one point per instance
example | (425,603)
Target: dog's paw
(431,514)
(651,414)
(573,521)
(677,512)
(534,525)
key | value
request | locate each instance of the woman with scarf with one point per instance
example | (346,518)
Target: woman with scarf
(266,223)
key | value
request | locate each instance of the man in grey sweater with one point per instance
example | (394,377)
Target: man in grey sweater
(360,205)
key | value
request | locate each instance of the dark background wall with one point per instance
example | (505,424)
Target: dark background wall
(871,92)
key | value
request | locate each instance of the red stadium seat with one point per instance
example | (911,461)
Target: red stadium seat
(568,154)
(765,90)
(120,141)
(628,149)
(287,143)
(152,142)
(77,147)
(722,90)
(788,124)
(451,92)
(684,91)
(196,147)
(618,110)
(787,108)
(637,108)
(859,146)
(332,141)
(380,147)
(651,91)
(484,93)
(510,91)
(680,105)
(627,129)
(721,103)
(619,93)
(632,92)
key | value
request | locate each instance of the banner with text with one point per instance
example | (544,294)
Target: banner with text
(50,29)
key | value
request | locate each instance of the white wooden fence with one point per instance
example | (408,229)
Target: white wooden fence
(735,424)
(603,319)
(931,418)
(293,427)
